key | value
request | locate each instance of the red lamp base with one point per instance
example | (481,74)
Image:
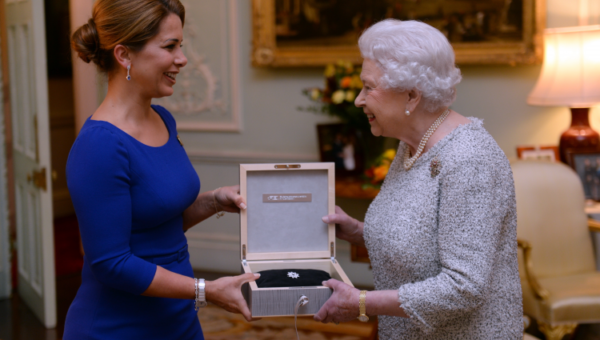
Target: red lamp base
(579,137)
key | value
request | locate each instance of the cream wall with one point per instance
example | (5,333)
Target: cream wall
(273,130)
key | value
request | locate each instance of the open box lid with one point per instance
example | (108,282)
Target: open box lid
(285,205)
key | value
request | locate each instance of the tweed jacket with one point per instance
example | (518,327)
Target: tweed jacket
(444,235)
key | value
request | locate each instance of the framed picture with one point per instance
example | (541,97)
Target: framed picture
(317,32)
(540,153)
(338,143)
(587,166)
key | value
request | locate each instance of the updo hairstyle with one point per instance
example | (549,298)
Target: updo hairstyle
(413,55)
(130,23)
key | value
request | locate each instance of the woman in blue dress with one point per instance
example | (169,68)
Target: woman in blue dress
(134,189)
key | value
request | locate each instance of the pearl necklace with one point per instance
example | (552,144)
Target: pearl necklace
(409,161)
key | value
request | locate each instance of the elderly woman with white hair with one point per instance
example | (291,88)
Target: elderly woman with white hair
(441,234)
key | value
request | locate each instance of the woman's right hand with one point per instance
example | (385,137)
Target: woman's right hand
(346,227)
(226,292)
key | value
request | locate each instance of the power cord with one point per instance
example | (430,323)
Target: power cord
(303,301)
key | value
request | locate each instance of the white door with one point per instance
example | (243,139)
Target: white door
(31,156)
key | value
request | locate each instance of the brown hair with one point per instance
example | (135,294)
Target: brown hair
(130,23)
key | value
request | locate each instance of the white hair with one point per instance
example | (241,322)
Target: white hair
(413,55)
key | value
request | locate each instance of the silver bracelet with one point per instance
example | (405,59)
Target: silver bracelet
(200,300)
(196,307)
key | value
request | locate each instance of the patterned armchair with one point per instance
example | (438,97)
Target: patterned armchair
(561,287)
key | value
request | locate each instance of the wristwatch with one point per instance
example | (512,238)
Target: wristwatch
(201,294)
(362,306)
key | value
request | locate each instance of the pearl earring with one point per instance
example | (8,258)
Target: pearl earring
(407,113)
(128,76)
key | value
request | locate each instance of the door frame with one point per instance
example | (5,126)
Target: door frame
(37,285)
(8,145)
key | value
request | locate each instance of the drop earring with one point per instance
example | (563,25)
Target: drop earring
(128,76)
(407,113)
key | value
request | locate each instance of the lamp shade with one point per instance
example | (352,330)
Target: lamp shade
(571,71)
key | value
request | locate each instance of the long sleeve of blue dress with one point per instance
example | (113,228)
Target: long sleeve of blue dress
(100,190)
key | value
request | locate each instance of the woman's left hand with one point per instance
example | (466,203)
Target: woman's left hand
(226,292)
(229,199)
(342,306)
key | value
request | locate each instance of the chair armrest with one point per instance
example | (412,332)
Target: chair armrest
(594,225)
(539,292)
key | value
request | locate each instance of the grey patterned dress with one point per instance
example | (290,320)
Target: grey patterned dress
(447,242)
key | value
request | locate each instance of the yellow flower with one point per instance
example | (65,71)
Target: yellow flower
(330,71)
(349,67)
(350,96)
(315,94)
(389,154)
(338,97)
(345,82)
(356,83)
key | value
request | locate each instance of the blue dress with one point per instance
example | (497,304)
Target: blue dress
(129,198)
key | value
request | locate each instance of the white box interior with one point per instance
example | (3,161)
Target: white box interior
(289,226)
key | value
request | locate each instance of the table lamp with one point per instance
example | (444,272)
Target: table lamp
(571,77)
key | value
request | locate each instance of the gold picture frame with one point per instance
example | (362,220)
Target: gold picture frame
(268,52)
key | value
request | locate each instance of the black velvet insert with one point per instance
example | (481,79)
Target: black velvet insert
(291,278)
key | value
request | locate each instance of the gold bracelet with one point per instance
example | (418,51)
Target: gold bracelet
(219,213)
(362,306)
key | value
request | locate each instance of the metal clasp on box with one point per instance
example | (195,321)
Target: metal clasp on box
(244,255)
(287,166)
(332,248)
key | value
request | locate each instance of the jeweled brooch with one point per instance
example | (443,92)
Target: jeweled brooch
(293,275)
(435,167)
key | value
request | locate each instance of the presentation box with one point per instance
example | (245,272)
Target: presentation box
(282,229)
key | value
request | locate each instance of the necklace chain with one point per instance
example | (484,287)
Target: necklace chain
(409,161)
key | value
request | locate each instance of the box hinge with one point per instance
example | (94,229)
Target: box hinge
(332,248)
(244,254)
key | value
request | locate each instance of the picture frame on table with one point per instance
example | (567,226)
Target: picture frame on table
(587,166)
(548,153)
(305,33)
(338,143)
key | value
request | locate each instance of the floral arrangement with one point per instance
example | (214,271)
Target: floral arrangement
(336,99)
(377,172)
